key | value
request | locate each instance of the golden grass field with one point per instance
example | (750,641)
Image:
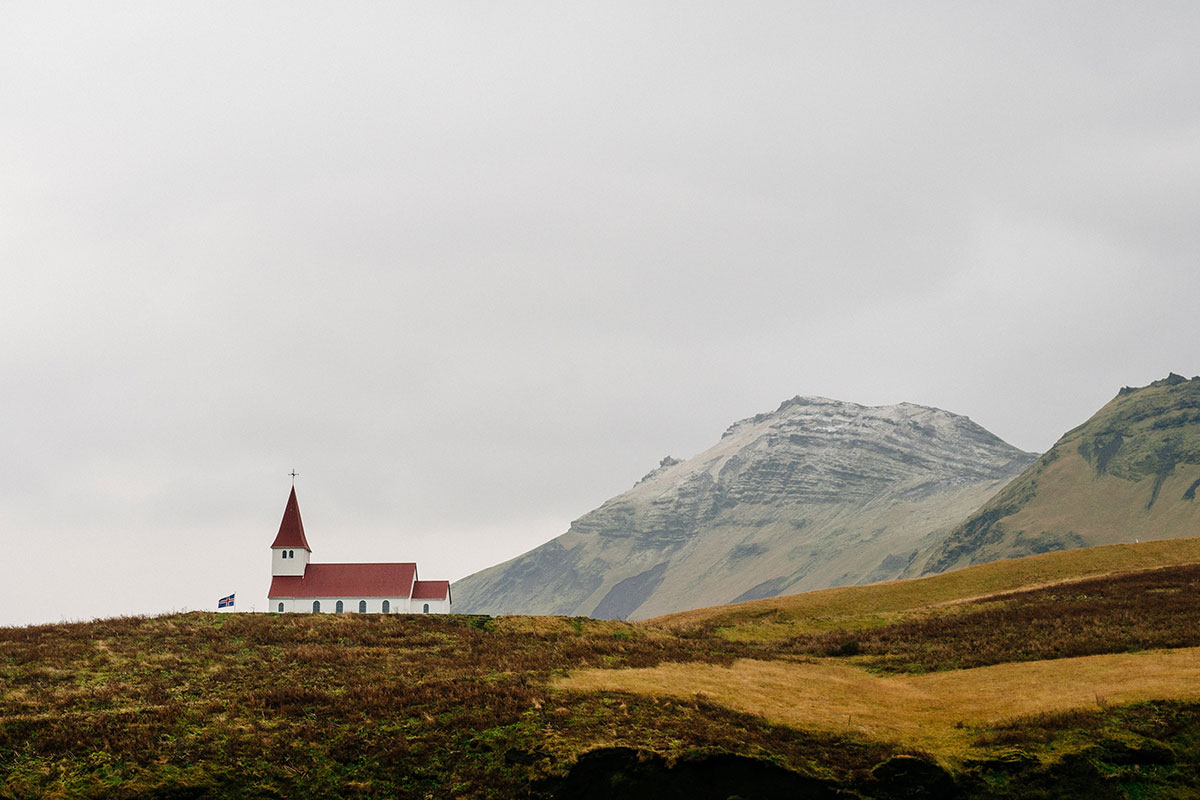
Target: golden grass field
(934,712)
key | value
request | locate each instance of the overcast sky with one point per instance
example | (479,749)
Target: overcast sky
(472,269)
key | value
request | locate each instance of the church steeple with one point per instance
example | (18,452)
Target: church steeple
(290,541)
(291,529)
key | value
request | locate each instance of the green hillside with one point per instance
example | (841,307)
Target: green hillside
(1084,672)
(1131,472)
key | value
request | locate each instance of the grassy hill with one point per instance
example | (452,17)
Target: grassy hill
(1130,472)
(856,607)
(1012,679)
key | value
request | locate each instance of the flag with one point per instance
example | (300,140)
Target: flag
(225,602)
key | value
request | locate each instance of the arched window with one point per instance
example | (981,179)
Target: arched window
(340,608)
(291,553)
(427,608)
(281,608)
(386,606)
(362,606)
(316,606)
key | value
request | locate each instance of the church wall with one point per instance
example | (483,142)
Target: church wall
(435,606)
(273,604)
(399,605)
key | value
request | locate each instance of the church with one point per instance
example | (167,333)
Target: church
(300,586)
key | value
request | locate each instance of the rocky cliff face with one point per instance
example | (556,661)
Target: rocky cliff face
(818,493)
(1130,472)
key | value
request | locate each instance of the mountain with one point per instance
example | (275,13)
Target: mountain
(1130,472)
(818,493)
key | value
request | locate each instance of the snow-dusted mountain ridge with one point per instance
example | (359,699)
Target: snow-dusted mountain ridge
(817,493)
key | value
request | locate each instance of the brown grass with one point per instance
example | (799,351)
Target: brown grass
(857,607)
(1143,610)
(337,705)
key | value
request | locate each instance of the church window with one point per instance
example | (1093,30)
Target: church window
(386,606)
(427,608)
(291,553)
(281,608)
(340,608)
(362,606)
(316,606)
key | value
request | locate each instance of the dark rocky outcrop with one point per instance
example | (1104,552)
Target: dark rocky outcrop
(903,776)
(621,773)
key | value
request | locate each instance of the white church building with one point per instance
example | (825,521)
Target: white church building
(298,585)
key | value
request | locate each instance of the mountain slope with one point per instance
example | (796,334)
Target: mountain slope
(1130,472)
(818,493)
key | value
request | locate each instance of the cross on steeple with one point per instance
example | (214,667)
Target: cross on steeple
(293,473)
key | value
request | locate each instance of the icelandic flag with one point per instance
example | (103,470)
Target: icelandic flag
(225,602)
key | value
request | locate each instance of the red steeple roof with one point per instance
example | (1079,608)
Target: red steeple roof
(291,529)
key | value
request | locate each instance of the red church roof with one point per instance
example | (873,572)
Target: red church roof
(431,590)
(349,580)
(291,529)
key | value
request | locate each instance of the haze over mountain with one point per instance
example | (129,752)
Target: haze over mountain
(818,493)
(1130,472)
